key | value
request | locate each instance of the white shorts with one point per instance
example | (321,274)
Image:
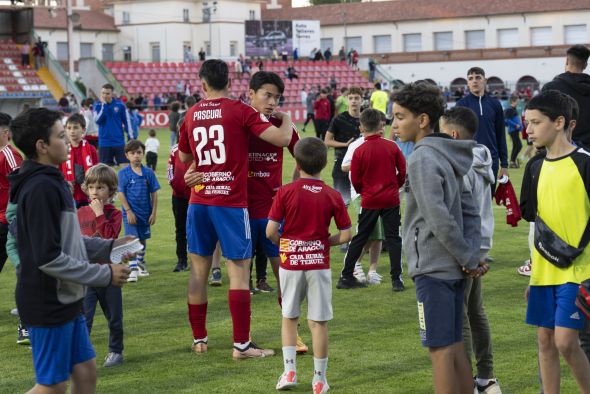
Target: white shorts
(316,285)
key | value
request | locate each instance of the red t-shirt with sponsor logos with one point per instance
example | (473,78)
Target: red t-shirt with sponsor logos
(265,172)
(307,207)
(216,133)
(10,160)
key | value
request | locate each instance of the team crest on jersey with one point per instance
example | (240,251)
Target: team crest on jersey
(116,109)
(199,187)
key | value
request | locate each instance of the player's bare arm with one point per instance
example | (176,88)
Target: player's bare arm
(279,136)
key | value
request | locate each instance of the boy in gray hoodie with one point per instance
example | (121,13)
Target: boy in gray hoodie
(461,124)
(441,233)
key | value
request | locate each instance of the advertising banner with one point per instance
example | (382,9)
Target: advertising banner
(306,36)
(264,36)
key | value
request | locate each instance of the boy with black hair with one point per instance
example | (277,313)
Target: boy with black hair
(576,84)
(377,171)
(440,233)
(138,192)
(343,130)
(461,124)
(305,257)
(215,133)
(55,260)
(101,219)
(559,204)
(323,114)
(10,160)
(114,122)
(81,156)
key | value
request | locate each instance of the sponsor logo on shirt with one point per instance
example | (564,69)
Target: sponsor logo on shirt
(313,189)
(218,176)
(258,174)
(298,246)
(257,156)
(199,187)
(218,189)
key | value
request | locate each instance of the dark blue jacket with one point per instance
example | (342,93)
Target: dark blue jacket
(113,121)
(491,132)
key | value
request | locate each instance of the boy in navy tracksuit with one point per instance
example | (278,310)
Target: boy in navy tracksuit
(489,112)
(55,259)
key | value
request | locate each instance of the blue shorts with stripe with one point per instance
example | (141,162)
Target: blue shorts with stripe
(258,228)
(207,224)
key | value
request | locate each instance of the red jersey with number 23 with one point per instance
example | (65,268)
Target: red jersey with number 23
(307,207)
(265,172)
(216,132)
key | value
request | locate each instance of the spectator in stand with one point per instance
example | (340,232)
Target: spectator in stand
(372,69)
(321,108)
(188,89)
(260,64)
(284,56)
(318,56)
(295,54)
(202,55)
(91,132)
(238,68)
(328,55)
(254,69)
(25,50)
(312,54)
(173,118)
(188,56)
(39,53)
(113,122)
(179,90)
(333,83)
(342,54)
(303,96)
(355,59)
(349,56)
(246,68)
(274,54)
(291,73)
(157,101)
(138,101)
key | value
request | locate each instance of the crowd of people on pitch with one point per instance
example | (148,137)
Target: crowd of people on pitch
(447,163)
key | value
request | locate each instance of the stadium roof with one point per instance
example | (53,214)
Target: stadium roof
(407,10)
(89,20)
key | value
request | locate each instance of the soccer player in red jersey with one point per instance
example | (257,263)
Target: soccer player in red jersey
(306,208)
(10,160)
(215,132)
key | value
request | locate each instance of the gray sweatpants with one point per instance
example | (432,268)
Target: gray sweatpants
(477,337)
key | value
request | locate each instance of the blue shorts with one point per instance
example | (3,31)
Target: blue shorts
(140,231)
(207,224)
(56,350)
(258,229)
(440,310)
(112,155)
(551,306)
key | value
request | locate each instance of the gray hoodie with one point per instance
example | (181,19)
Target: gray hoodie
(479,180)
(441,232)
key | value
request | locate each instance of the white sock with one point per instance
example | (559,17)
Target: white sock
(241,346)
(320,365)
(206,339)
(483,382)
(289,358)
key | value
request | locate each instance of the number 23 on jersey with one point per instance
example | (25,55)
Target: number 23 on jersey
(215,154)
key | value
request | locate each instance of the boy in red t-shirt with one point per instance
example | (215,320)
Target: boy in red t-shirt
(323,113)
(306,208)
(101,219)
(377,171)
(82,155)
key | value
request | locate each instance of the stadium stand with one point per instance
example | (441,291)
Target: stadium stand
(17,81)
(156,78)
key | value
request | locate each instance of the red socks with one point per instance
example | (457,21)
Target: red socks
(197,316)
(239,307)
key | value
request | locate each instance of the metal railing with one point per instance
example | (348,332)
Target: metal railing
(108,75)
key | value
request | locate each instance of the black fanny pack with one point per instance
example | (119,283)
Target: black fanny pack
(553,248)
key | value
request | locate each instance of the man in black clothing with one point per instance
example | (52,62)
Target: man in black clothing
(344,129)
(575,83)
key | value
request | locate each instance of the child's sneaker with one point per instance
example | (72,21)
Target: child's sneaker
(373,278)
(493,387)
(252,351)
(143,272)
(287,380)
(525,269)
(113,359)
(14,312)
(300,347)
(320,387)
(263,287)
(215,279)
(133,276)
(23,335)
(199,346)
(358,273)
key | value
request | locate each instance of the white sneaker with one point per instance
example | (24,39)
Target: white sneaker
(133,276)
(287,380)
(320,387)
(14,312)
(358,273)
(491,388)
(143,272)
(525,269)
(373,278)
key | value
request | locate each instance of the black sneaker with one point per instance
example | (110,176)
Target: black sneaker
(398,285)
(179,267)
(349,283)
(23,335)
(263,287)
(253,290)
